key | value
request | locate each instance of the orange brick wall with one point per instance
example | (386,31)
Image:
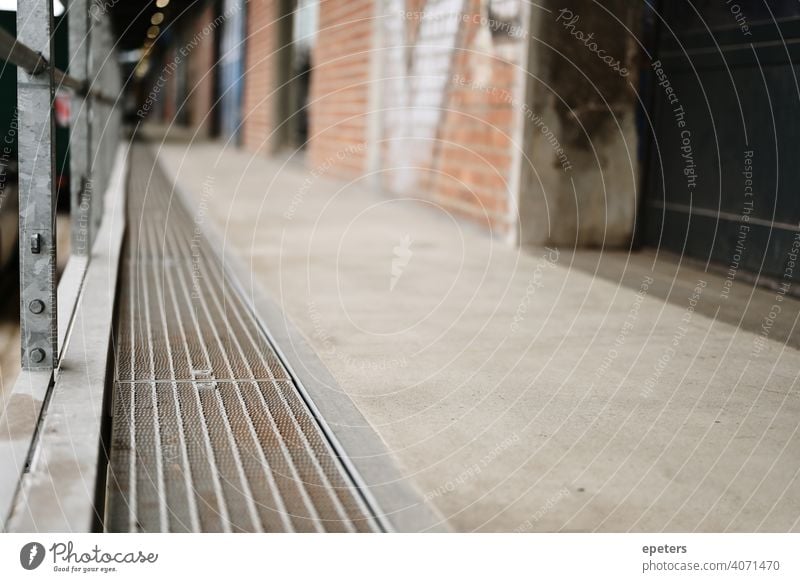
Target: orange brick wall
(449,128)
(201,72)
(257,104)
(340,86)
(474,160)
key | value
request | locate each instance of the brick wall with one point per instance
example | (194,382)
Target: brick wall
(260,74)
(476,151)
(459,119)
(451,112)
(340,86)
(449,86)
(201,75)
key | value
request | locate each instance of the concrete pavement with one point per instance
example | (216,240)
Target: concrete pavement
(535,390)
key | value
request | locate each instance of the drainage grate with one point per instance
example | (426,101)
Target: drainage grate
(209,431)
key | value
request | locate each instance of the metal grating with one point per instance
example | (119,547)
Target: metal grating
(209,431)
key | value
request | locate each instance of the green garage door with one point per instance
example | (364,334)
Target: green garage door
(723,178)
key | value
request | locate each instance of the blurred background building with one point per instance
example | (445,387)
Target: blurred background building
(542,125)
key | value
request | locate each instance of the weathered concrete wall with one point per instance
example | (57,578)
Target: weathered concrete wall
(579,173)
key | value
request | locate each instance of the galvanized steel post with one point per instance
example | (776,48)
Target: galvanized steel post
(37,192)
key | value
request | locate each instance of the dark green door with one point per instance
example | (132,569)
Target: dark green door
(723,176)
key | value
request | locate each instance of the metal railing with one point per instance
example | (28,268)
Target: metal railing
(94,131)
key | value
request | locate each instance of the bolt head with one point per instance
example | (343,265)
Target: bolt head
(37,355)
(36,306)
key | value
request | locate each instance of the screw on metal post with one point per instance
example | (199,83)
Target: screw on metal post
(36,243)
(36,306)
(37,355)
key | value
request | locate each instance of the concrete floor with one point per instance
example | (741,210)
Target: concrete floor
(523,391)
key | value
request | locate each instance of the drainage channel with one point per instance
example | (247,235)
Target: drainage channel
(210,432)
